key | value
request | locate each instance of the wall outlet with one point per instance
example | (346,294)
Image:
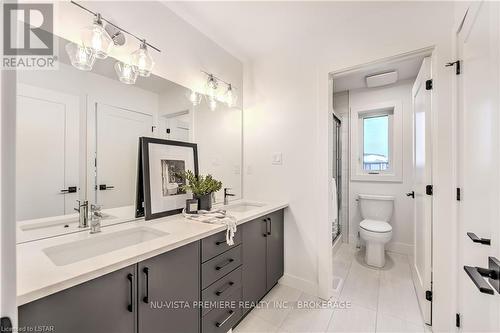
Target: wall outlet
(277,159)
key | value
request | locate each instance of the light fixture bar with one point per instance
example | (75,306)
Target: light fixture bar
(142,40)
(218,79)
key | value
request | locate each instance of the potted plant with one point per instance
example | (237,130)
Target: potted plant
(202,188)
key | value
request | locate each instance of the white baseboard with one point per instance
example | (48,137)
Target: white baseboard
(401,248)
(301,284)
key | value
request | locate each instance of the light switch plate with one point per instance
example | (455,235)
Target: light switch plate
(277,159)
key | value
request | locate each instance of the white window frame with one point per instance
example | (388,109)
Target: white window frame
(394,173)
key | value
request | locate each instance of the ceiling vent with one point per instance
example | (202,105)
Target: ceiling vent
(383,79)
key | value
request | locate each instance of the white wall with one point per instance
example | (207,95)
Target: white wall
(286,109)
(402,219)
(185,50)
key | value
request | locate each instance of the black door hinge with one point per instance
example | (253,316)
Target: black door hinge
(457,320)
(459,194)
(457,66)
(428,295)
(428,84)
(153,129)
(429,189)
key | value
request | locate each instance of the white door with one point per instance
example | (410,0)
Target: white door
(478,162)
(178,128)
(117,147)
(422,262)
(47,152)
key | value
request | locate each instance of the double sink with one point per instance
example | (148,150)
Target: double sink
(94,246)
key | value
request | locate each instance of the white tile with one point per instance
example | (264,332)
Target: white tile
(354,319)
(386,323)
(361,286)
(277,304)
(311,315)
(254,324)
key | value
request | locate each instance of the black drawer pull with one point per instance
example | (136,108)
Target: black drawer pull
(219,324)
(130,278)
(146,272)
(475,273)
(475,239)
(220,242)
(270,226)
(219,267)
(223,290)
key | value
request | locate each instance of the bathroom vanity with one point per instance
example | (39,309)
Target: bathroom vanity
(167,283)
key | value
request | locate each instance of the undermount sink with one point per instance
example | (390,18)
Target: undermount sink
(71,222)
(100,244)
(243,207)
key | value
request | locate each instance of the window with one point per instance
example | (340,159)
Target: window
(376,143)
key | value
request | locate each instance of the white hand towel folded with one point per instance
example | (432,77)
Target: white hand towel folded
(217,217)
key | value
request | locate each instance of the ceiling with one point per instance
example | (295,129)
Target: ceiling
(407,68)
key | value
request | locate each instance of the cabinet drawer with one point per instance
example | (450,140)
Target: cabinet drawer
(222,319)
(219,266)
(222,289)
(216,244)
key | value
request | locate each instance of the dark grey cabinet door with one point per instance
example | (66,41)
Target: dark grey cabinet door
(254,260)
(275,245)
(164,280)
(100,305)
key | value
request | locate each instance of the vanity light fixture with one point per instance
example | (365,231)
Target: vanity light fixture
(194,97)
(142,60)
(97,38)
(212,92)
(126,73)
(97,42)
(81,57)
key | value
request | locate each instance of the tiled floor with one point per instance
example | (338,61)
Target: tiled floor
(380,301)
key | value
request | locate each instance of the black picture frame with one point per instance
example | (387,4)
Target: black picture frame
(143,193)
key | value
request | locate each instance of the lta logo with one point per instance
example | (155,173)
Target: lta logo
(27,35)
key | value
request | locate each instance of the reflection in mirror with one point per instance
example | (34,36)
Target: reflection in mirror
(77,139)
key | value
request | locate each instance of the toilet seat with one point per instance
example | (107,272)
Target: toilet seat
(375,226)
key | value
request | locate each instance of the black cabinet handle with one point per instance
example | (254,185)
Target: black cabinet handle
(145,270)
(219,324)
(475,274)
(220,242)
(230,260)
(475,239)
(270,226)
(411,194)
(130,278)
(228,285)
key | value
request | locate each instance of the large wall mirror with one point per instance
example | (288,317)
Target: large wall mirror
(78,135)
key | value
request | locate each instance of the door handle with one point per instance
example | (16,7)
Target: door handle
(130,278)
(70,189)
(475,239)
(411,194)
(104,187)
(145,270)
(492,273)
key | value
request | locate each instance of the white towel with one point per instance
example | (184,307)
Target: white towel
(217,217)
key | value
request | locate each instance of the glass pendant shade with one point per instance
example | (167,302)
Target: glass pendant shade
(142,60)
(126,73)
(80,56)
(211,88)
(212,104)
(194,97)
(98,39)
(230,97)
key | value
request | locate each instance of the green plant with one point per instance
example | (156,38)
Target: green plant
(200,185)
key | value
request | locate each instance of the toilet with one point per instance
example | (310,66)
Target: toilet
(374,229)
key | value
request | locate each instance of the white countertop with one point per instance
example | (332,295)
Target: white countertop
(38,276)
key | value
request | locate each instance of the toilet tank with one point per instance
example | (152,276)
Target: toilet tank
(376,207)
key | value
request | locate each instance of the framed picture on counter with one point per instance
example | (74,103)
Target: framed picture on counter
(162,164)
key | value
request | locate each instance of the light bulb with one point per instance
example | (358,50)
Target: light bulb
(81,57)
(126,72)
(142,60)
(230,96)
(97,38)
(212,104)
(194,97)
(211,89)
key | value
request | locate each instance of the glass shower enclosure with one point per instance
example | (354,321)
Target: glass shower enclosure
(337,174)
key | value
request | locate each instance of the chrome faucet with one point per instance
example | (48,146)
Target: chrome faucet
(83,211)
(227,195)
(95,219)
